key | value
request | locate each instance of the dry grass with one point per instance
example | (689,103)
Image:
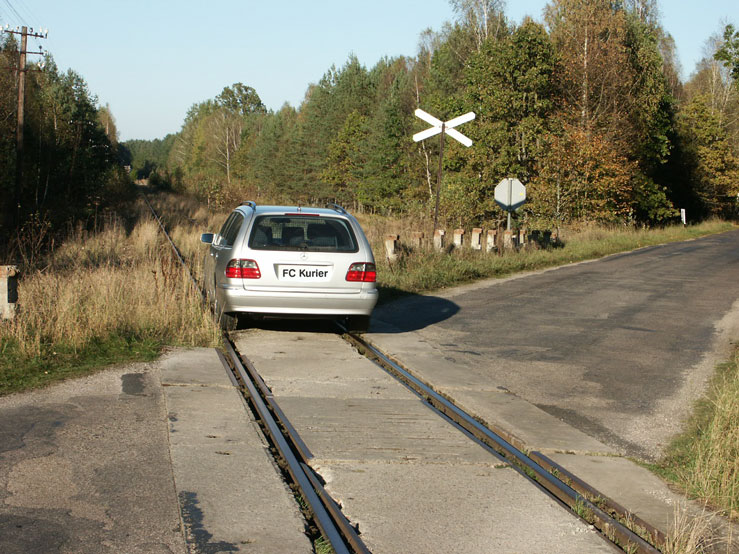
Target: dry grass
(112,286)
(693,533)
(704,460)
(423,270)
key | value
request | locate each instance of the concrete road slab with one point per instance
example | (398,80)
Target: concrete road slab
(630,485)
(332,372)
(193,366)
(412,481)
(646,495)
(232,496)
(476,393)
(380,431)
(449,509)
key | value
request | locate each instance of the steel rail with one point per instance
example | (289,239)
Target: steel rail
(327,515)
(329,519)
(176,250)
(657,537)
(579,503)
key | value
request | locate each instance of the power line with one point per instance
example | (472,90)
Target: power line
(27,10)
(20,18)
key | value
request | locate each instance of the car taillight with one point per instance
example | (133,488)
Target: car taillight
(362,271)
(243,269)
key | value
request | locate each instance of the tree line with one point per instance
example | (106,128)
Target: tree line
(70,163)
(587,109)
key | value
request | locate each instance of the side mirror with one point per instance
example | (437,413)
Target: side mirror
(207,238)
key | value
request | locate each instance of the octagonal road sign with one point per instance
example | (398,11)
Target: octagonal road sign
(510,194)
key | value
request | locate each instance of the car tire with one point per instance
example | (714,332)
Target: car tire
(228,321)
(358,323)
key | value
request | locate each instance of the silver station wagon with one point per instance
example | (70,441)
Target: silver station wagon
(291,262)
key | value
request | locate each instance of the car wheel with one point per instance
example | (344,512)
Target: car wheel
(358,323)
(227,321)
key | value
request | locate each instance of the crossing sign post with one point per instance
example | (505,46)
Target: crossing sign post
(442,128)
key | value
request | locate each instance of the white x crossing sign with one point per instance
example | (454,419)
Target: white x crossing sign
(447,127)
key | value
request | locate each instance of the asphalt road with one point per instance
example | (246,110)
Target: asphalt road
(619,348)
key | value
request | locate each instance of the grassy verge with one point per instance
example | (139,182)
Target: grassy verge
(704,459)
(418,271)
(62,361)
(115,295)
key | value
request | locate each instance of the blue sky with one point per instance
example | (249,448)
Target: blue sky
(152,60)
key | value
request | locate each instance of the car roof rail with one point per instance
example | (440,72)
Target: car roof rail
(337,208)
(250,203)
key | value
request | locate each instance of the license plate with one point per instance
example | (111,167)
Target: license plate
(303,273)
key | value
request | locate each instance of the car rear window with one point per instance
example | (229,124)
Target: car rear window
(297,232)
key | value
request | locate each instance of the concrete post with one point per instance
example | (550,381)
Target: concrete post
(475,243)
(8,291)
(417,239)
(508,242)
(391,245)
(439,239)
(491,238)
(522,237)
(458,238)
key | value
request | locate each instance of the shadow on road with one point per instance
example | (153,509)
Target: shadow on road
(412,313)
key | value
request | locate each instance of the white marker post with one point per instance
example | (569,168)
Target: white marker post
(443,128)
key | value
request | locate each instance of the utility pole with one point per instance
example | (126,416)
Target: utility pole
(24,33)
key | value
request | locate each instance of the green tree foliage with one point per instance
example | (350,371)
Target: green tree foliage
(729,52)
(589,111)
(346,159)
(581,176)
(241,100)
(595,75)
(146,156)
(709,153)
(70,161)
(268,159)
(510,88)
(8,87)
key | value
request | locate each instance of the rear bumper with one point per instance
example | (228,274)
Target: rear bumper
(237,299)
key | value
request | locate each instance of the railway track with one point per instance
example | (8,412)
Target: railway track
(614,522)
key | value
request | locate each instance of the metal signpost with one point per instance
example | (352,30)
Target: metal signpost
(443,128)
(510,194)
